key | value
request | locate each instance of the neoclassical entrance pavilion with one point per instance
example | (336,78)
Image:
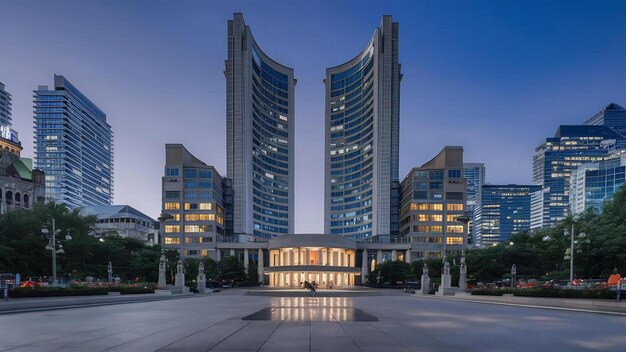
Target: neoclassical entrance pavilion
(326,259)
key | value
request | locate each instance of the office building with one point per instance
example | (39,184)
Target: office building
(474,174)
(433,203)
(122,220)
(73,146)
(193,207)
(362,140)
(5,107)
(593,184)
(502,210)
(554,161)
(259,136)
(612,116)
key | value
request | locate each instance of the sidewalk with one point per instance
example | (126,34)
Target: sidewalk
(15,305)
(592,305)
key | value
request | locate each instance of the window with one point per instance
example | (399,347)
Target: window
(172,206)
(204,174)
(205,206)
(454,195)
(172,171)
(220,220)
(454,229)
(172,194)
(172,228)
(436,185)
(454,240)
(199,217)
(190,173)
(171,240)
(191,206)
(205,252)
(454,173)
(193,240)
(436,175)
(454,207)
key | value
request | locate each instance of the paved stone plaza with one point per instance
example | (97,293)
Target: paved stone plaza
(372,320)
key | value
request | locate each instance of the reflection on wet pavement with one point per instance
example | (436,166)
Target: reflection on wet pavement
(312,309)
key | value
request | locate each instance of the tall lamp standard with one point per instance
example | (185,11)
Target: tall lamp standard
(55,246)
(569,253)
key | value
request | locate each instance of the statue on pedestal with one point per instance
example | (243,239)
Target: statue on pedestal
(463,273)
(201,278)
(161,284)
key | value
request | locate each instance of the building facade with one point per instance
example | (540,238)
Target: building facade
(474,174)
(122,220)
(362,140)
(259,136)
(502,210)
(555,160)
(20,186)
(73,146)
(433,202)
(612,116)
(593,184)
(193,207)
(5,107)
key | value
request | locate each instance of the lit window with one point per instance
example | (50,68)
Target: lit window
(454,240)
(172,206)
(454,207)
(171,240)
(205,206)
(172,228)
(454,229)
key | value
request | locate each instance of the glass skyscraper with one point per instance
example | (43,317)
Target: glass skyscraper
(73,146)
(612,116)
(594,183)
(502,210)
(259,136)
(5,107)
(555,160)
(362,140)
(474,174)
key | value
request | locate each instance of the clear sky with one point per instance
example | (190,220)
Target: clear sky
(493,76)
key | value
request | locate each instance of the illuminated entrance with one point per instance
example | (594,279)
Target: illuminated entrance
(327,260)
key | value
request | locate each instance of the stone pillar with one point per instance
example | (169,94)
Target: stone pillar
(364,267)
(281,259)
(394,255)
(379,257)
(161,285)
(218,254)
(445,287)
(232,252)
(332,258)
(201,278)
(260,267)
(425,280)
(463,274)
(407,256)
(246,260)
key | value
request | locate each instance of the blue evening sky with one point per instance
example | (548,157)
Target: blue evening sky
(493,76)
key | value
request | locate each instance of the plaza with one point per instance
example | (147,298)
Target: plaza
(292,320)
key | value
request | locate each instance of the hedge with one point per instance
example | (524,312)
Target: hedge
(487,292)
(24,292)
(566,293)
(131,290)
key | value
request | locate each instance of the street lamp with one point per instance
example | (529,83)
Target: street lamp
(56,247)
(569,253)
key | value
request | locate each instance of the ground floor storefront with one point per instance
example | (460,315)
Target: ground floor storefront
(324,279)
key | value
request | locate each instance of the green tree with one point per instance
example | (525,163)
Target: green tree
(231,269)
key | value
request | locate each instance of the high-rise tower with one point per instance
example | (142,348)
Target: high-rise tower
(5,107)
(259,136)
(73,146)
(362,140)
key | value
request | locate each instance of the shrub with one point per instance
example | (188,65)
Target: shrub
(487,292)
(55,292)
(566,293)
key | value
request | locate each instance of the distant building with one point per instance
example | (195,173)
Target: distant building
(502,210)
(122,220)
(20,186)
(362,140)
(474,174)
(612,116)
(193,204)
(260,120)
(593,184)
(433,199)
(73,146)
(5,107)
(555,160)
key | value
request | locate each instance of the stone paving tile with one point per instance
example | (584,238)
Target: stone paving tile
(208,338)
(290,336)
(250,338)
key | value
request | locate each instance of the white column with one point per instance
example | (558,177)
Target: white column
(232,252)
(281,257)
(218,255)
(364,267)
(260,268)
(407,256)
(332,258)
(246,260)
(394,255)
(379,257)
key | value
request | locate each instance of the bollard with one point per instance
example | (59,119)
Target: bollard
(6,293)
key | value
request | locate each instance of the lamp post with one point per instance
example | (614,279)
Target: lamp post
(569,253)
(54,246)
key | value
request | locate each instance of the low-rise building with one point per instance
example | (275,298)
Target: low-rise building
(122,220)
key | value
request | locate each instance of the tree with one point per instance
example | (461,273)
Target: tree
(392,271)
(231,269)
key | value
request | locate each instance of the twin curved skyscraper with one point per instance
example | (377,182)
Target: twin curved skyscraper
(361,144)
